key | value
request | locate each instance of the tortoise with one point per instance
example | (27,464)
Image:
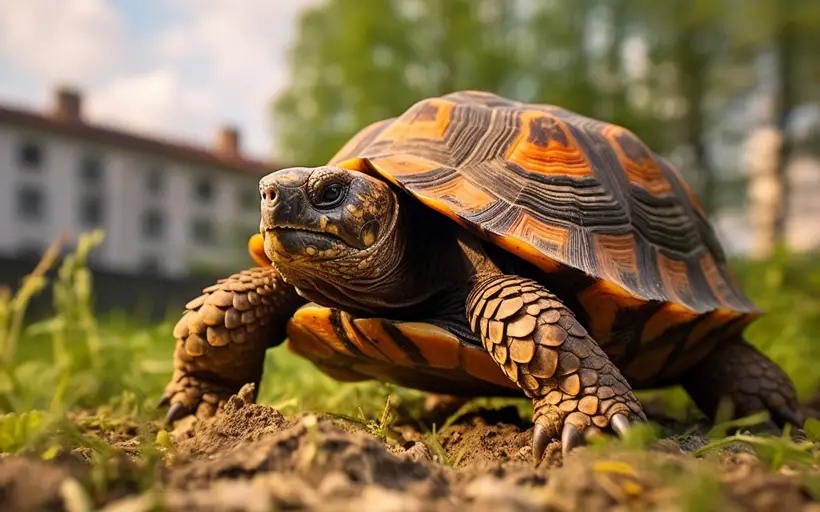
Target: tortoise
(480,246)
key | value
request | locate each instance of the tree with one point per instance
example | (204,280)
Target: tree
(358,61)
(787,31)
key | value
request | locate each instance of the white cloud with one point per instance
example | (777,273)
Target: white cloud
(60,40)
(156,101)
(244,51)
(215,61)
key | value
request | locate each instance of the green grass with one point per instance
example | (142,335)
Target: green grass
(118,368)
(115,369)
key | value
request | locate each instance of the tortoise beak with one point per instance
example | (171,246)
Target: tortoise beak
(282,207)
(283,198)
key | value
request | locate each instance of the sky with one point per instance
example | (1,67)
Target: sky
(174,68)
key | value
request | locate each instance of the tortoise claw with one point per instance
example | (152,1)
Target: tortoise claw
(570,438)
(176,412)
(540,440)
(163,401)
(620,424)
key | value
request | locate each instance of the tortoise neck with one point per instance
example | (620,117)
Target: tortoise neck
(434,275)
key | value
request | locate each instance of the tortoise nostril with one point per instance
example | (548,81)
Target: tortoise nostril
(269,195)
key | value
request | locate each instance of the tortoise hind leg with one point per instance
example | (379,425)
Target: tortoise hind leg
(222,338)
(753,382)
(541,347)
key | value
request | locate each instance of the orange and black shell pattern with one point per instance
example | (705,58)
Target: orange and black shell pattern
(418,355)
(613,223)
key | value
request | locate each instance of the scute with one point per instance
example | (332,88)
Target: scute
(559,189)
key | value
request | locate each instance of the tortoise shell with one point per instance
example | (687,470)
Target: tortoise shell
(564,192)
(558,189)
(613,223)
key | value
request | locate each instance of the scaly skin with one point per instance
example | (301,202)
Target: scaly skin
(541,347)
(749,379)
(222,338)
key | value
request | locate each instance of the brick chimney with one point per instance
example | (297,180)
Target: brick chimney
(68,105)
(226,142)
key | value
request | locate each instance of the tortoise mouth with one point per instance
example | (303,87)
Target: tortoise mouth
(301,243)
(302,231)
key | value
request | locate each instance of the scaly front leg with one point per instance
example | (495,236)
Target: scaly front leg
(222,338)
(540,345)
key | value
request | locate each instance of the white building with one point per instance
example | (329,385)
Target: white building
(165,207)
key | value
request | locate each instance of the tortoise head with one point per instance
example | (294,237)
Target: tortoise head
(329,227)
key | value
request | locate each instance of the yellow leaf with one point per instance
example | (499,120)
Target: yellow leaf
(613,466)
(631,488)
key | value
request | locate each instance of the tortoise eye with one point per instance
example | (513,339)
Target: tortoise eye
(331,196)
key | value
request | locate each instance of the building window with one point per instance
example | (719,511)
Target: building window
(30,203)
(204,189)
(91,171)
(30,155)
(202,231)
(154,181)
(152,224)
(91,211)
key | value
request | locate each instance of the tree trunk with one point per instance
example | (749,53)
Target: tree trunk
(785,103)
(693,66)
(771,151)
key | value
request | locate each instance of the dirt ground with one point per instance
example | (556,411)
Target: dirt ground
(250,457)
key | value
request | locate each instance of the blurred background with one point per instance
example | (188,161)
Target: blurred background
(154,120)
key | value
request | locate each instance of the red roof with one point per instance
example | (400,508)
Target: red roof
(122,139)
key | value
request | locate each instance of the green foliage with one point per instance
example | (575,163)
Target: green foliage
(381,428)
(116,370)
(18,430)
(359,61)
(812,429)
(68,360)
(673,72)
(776,451)
(785,288)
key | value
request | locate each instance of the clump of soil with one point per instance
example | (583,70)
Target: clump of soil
(250,457)
(240,421)
(310,449)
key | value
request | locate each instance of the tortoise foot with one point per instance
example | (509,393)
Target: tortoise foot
(551,422)
(600,401)
(188,395)
(751,381)
(221,339)
(573,433)
(540,345)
